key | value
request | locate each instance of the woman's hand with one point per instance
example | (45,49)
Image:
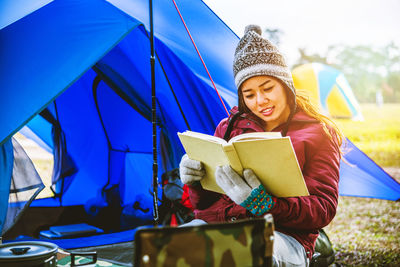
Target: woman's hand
(247,191)
(233,184)
(190,170)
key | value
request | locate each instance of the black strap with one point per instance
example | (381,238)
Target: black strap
(286,126)
(46,114)
(230,126)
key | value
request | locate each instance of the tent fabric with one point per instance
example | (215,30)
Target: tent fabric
(88,241)
(45,140)
(25,185)
(65,38)
(80,33)
(63,165)
(125,74)
(328,89)
(17,9)
(6,169)
(361,177)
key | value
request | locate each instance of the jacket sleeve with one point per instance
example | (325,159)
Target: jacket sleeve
(201,198)
(321,174)
(221,128)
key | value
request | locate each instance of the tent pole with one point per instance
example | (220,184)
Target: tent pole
(153,117)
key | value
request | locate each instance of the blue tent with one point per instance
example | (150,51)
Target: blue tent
(77,73)
(360,176)
(95,39)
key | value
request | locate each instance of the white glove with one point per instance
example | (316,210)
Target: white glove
(246,192)
(235,187)
(190,170)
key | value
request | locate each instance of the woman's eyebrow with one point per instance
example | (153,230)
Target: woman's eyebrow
(264,83)
(246,90)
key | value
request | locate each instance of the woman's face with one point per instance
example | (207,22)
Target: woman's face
(265,96)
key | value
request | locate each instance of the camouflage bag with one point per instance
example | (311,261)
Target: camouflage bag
(239,243)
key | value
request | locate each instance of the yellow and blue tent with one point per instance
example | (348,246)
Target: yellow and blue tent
(329,89)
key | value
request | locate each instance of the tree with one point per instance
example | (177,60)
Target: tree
(274,35)
(367,69)
(371,69)
(309,58)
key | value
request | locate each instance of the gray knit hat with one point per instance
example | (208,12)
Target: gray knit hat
(255,56)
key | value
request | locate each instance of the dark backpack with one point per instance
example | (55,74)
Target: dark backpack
(172,211)
(324,255)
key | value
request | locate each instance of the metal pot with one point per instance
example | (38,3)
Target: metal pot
(28,253)
(36,254)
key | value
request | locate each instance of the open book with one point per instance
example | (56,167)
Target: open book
(268,154)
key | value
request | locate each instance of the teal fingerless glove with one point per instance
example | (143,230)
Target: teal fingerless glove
(259,202)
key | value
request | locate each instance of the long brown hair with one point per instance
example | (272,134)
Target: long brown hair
(304,103)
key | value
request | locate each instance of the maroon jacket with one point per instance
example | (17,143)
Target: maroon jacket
(299,217)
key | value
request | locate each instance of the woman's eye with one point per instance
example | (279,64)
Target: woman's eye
(249,96)
(268,89)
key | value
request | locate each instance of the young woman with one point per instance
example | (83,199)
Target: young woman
(268,101)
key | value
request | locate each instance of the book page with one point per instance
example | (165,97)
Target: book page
(255,136)
(273,160)
(210,153)
(233,158)
(204,136)
(275,164)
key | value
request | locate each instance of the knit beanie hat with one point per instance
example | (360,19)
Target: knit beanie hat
(256,56)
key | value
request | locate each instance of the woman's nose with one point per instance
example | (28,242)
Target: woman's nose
(262,99)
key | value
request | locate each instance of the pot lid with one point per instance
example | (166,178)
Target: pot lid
(26,250)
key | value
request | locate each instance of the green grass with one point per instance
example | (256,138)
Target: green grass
(378,135)
(366,232)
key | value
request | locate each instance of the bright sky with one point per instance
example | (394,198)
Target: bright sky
(315,24)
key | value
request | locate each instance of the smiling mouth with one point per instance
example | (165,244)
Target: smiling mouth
(267,111)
